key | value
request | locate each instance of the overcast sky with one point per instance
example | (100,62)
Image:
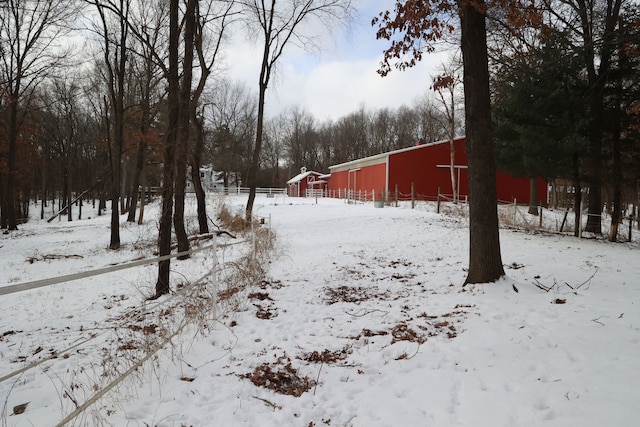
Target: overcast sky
(342,77)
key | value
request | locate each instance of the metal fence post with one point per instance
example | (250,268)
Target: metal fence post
(413,196)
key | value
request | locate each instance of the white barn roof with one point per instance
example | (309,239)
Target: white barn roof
(302,176)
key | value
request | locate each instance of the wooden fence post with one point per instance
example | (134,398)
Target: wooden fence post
(540,210)
(438,202)
(396,195)
(413,196)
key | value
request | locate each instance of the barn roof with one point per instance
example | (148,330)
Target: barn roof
(302,176)
(382,158)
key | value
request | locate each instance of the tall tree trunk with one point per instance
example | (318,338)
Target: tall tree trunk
(183,130)
(65,189)
(114,242)
(68,176)
(140,159)
(452,148)
(3,203)
(252,173)
(196,158)
(9,208)
(173,98)
(117,71)
(485,261)
(616,213)
(116,159)
(598,72)
(577,196)
(44,184)
(143,195)
(452,169)
(533,196)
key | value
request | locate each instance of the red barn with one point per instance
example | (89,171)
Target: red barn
(305,180)
(427,167)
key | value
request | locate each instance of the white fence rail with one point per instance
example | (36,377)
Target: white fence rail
(80,408)
(245,190)
(5,290)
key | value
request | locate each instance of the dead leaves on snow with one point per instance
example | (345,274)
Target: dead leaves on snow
(280,377)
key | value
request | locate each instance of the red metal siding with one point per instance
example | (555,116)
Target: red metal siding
(300,188)
(420,166)
(510,188)
(370,178)
(427,167)
(360,179)
(338,181)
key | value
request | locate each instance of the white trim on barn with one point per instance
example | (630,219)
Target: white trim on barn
(308,178)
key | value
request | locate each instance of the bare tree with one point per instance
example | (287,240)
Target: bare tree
(423,23)
(211,22)
(61,101)
(30,32)
(444,86)
(274,147)
(184,116)
(433,123)
(381,131)
(196,21)
(406,127)
(168,169)
(595,25)
(146,76)
(113,27)
(278,24)
(231,111)
(297,126)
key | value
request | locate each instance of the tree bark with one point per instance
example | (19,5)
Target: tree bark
(598,72)
(577,196)
(140,159)
(485,261)
(173,98)
(183,131)
(9,208)
(533,196)
(196,159)
(252,173)
(616,212)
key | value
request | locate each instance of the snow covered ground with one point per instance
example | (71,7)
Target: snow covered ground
(360,321)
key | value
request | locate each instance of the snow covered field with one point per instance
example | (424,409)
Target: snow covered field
(361,321)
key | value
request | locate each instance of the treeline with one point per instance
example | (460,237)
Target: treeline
(69,118)
(566,102)
(96,114)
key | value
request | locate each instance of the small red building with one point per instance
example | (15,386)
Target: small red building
(426,166)
(305,180)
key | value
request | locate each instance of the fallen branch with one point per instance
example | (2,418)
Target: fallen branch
(537,284)
(588,280)
(318,378)
(365,312)
(270,404)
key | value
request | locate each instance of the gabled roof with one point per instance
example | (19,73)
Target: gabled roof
(302,176)
(381,158)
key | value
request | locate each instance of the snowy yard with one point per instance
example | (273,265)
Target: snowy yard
(360,321)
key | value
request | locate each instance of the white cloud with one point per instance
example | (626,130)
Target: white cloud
(338,81)
(334,89)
